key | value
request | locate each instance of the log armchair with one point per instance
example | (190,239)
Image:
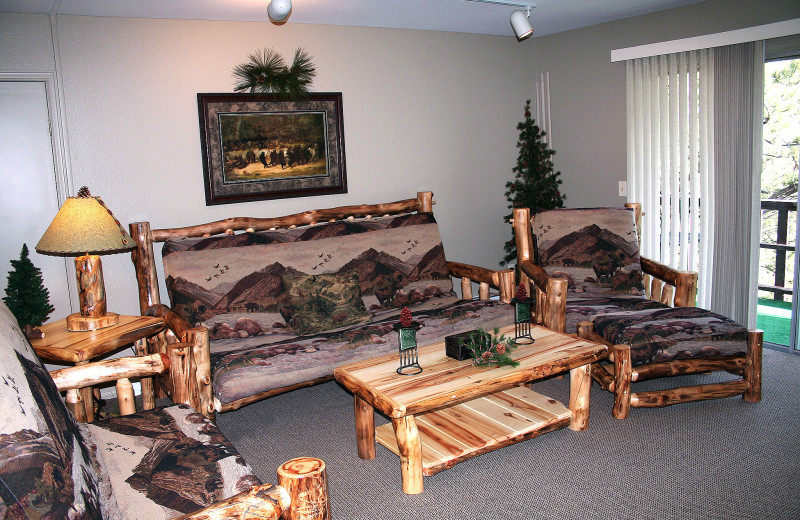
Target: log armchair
(589,278)
(158,463)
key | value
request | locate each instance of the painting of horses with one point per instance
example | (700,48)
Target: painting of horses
(258,146)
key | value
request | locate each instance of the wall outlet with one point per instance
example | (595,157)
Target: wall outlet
(623,188)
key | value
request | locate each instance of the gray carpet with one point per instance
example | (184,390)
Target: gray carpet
(723,459)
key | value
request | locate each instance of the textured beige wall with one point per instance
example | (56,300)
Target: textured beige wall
(588,91)
(422,111)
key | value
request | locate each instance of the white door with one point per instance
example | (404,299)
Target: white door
(28,187)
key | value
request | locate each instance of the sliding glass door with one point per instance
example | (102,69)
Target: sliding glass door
(778,263)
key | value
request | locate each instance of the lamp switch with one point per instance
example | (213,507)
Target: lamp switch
(623,188)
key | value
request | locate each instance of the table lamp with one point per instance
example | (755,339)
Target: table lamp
(83,227)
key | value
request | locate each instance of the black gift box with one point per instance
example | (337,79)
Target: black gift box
(454,345)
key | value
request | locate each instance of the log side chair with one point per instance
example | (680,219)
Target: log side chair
(588,277)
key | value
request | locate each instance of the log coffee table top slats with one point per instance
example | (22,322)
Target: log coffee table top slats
(445,381)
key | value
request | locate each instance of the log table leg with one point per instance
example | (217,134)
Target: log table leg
(148,395)
(365,428)
(75,404)
(88,399)
(410,448)
(580,384)
(306,481)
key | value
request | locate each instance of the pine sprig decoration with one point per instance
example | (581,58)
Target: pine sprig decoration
(267,73)
(536,185)
(405,318)
(26,296)
(491,349)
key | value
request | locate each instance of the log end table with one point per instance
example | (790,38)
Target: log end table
(60,345)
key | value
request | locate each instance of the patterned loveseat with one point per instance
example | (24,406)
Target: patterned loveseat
(288,299)
(159,463)
(589,278)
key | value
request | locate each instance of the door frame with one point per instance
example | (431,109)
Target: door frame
(59,146)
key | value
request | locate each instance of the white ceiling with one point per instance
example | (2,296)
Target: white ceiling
(549,16)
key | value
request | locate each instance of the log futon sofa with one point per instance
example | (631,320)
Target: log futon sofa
(269,305)
(589,277)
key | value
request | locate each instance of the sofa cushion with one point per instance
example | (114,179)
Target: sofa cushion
(46,466)
(320,302)
(247,366)
(669,333)
(400,261)
(596,250)
(165,462)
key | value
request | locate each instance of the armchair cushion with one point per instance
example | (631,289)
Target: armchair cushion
(596,250)
(588,308)
(666,333)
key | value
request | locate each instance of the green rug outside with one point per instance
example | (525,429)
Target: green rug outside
(774,318)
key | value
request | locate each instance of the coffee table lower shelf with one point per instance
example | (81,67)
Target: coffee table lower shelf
(451,435)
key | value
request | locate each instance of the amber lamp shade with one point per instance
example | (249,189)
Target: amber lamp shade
(83,227)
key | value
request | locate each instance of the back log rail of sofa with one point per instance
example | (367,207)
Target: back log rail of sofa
(193,356)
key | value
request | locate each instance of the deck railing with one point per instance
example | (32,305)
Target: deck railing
(781,246)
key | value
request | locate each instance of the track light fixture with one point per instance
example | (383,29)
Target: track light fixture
(520,21)
(278,10)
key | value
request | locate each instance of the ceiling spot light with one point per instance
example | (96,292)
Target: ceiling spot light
(521,24)
(520,20)
(278,10)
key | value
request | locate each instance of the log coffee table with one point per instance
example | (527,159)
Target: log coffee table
(453,411)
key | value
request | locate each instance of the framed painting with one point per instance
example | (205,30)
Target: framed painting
(264,146)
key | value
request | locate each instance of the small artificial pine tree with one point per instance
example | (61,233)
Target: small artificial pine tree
(535,185)
(26,296)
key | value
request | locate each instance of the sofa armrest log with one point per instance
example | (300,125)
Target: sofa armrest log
(683,284)
(190,378)
(503,280)
(551,296)
(302,492)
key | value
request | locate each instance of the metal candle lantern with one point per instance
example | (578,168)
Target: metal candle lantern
(522,317)
(407,339)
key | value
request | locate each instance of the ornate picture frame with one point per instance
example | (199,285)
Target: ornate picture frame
(265,146)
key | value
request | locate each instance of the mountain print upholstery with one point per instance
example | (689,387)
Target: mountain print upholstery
(155,464)
(596,250)
(166,462)
(46,467)
(399,260)
(242,367)
(670,333)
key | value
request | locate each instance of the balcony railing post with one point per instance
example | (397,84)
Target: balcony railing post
(781,247)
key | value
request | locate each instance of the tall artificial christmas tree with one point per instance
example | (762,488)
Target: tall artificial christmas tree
(26,296)
(535,185)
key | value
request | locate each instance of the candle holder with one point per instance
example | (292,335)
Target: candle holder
(407,340)
(522,317)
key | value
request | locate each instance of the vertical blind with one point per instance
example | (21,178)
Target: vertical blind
(670,102)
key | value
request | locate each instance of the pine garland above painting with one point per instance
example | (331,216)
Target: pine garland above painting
(267,73)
